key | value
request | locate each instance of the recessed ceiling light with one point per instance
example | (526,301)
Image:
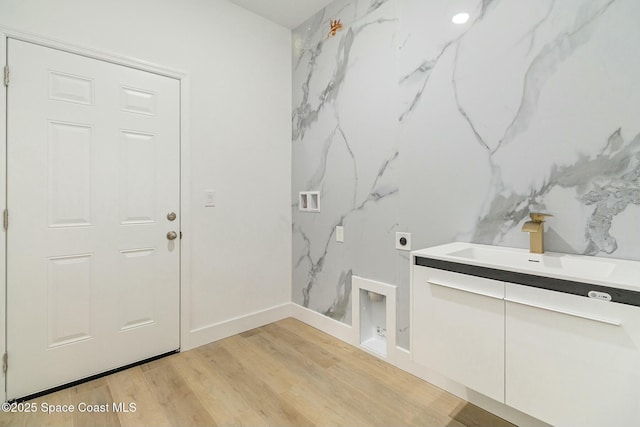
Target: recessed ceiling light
(460,18)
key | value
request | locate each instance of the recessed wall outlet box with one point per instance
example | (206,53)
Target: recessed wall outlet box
(339,233)
(209,198)
(309,201)
(403,241)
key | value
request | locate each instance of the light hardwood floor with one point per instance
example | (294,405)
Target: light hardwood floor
(285,373)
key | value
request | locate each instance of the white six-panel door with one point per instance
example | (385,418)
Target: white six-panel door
(93,172)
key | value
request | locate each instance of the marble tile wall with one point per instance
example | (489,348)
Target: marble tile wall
(405,121)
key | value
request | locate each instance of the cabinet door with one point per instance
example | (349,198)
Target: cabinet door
(570,360)
(458,328)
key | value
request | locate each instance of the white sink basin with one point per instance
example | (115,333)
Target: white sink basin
(579,268)
(572,265)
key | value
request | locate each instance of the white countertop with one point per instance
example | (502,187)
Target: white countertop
(615,273)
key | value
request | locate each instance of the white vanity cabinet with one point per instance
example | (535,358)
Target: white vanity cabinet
(554,336)
(571,360)
(458,328)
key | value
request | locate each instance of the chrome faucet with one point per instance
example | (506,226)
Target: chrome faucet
(535,228)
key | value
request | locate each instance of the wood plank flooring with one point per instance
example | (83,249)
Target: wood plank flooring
(282,374)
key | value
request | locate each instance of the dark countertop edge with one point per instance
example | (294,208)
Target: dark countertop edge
(622,296)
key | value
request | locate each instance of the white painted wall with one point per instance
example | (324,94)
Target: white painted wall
(239,88)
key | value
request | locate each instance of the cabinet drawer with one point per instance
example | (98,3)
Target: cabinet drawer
(458,328)
(572,360)
(462,282)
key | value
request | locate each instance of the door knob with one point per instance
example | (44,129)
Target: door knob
(172,235)
(171,216)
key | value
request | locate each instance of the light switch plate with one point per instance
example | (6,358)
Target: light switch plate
(407,241)
(339,233)
(209,199)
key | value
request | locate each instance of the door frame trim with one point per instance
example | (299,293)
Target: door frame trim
(3,205)
(185,165)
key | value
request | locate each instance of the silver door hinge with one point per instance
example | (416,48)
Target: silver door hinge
(5,362)
(6,75)
(5,219)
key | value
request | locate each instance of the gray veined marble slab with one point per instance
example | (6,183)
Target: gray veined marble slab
(406,122)
(337,150)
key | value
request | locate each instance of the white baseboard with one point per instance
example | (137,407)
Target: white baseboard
(237,325)
(337,329)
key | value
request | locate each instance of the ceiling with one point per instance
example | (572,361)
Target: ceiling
(288,13)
